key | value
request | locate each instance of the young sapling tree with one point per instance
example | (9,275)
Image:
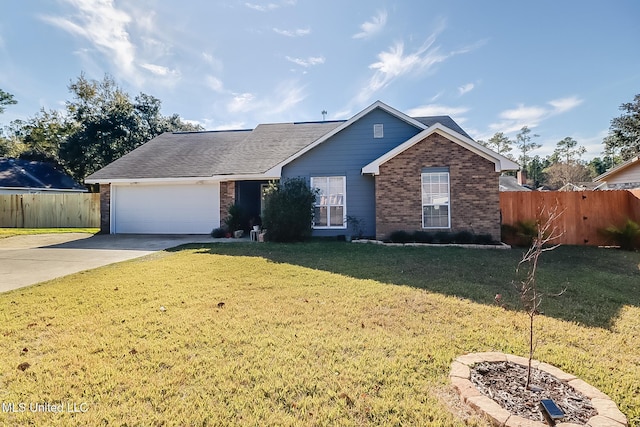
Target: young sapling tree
(530,296)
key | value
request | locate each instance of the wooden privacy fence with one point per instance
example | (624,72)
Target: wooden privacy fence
(50,210)
(585,212)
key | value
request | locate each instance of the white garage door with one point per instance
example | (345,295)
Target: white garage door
(165,209)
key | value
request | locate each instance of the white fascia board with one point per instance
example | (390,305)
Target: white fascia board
(616,169)
(277,169)
(186,180)
(501,163)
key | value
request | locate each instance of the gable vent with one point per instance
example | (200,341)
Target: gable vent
(378,130)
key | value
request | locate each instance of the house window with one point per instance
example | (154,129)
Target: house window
(435,198)
(330,207)
(378,130)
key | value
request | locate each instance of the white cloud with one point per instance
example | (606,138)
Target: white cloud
(298,32)
(262,8)
(105,27)
(436,110)
(241,103)
(395,63)
(308,62)
(465,88)
(160,70)
(285,96)
(513,120)
(372,27)
(214,83)
(565,104)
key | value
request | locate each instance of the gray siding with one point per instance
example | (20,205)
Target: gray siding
(345,154)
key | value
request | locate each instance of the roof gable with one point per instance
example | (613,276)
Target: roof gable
(277,169)
(501,163)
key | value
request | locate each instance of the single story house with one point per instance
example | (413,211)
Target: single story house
(389,170)
(19,176)
(625,176)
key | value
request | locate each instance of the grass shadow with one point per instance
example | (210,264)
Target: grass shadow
(598,282)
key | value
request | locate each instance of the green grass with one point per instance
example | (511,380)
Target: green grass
(9,232)
(309,334)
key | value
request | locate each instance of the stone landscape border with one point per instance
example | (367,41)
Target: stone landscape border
(435,245)
(608,413)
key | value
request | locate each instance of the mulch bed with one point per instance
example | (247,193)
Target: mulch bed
(504,382)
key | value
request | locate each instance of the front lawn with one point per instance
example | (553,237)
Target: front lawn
(8,232)
(306,334)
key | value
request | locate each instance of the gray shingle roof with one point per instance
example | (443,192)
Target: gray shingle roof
(205,154)
(239,152)
(444,121)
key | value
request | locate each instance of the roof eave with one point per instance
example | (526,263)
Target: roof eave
(267,176)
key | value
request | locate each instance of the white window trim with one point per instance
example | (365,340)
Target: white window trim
(431,204)
(344,204)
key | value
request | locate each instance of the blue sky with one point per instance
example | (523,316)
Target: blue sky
(561,67)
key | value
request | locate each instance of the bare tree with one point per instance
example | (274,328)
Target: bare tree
(530,296)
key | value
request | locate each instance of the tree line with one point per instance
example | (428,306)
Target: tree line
(102,123)
(565,164)
(97,126)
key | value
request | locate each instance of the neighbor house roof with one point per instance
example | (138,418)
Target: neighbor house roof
(35,176)
(633,162)
(510,183)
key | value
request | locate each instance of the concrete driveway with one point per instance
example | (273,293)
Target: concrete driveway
(26,260)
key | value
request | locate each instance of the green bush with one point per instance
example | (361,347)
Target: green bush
(521,233)
(236,219)
(218,233)
(288,211)
(463,237)
(627,236)
(483,239)
(441,237)
(423,237)
(400,236)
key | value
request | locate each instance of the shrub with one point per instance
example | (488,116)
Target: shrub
(400,236)
(218,233)
(235,220)
(442,237)
(423,237)
(521,233)
(483,239)
(627,236)
(288,211)
(463,237)
(356,225)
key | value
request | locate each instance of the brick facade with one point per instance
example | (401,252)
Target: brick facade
(474,189)
(105,208)
(227,199)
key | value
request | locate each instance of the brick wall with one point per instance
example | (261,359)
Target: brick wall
(227,198)
(105,208)
(474,189)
